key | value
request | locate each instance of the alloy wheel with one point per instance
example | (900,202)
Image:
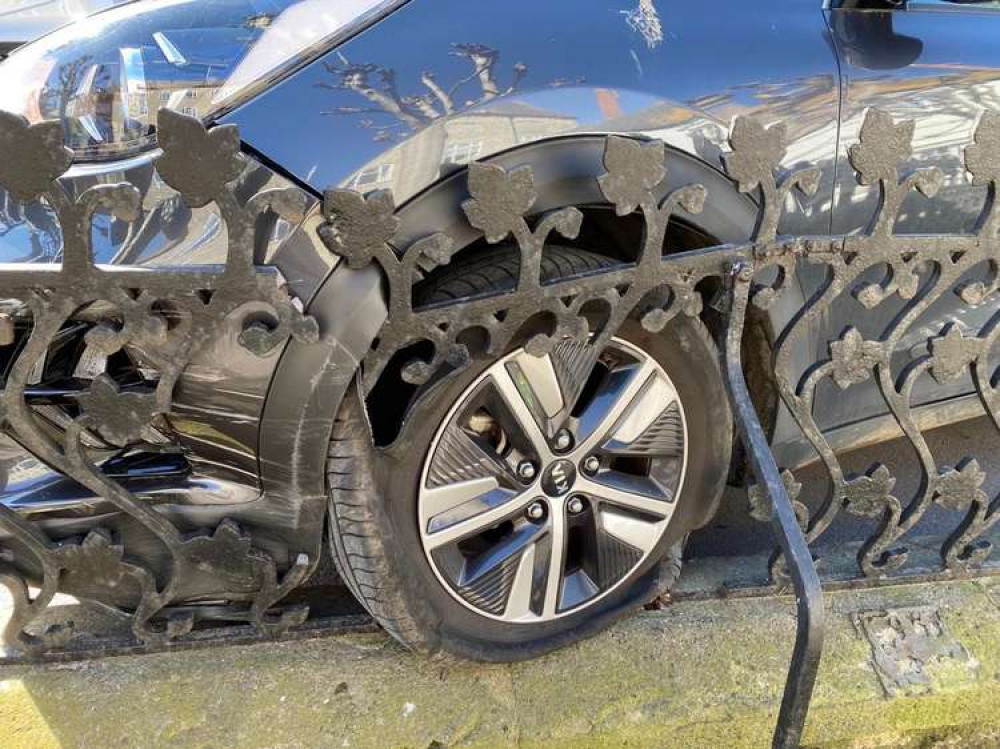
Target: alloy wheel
(551,479)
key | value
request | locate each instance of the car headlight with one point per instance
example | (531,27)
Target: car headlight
(107,76)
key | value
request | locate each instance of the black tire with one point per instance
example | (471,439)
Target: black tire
(373,531)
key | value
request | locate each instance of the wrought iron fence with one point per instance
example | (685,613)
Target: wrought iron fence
(171,313)
(175,312)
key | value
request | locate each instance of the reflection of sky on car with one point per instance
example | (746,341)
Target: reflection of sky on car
(582,101)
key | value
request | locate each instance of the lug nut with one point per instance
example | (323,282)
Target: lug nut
(563,440)
(575,505)
(536,511)
(526,470)
(592,464)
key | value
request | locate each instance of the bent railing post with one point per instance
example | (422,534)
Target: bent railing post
(808,595)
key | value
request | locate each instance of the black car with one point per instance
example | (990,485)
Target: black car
(532,494)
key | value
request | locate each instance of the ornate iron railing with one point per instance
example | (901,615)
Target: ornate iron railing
(175,312)
(172,314)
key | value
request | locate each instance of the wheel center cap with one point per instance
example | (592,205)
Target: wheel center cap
(558,478)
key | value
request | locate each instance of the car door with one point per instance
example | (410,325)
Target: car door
(936,62)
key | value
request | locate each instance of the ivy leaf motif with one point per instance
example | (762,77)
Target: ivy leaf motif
(808,181)
(118,417)
(34,156)
(358,226)
(928,181)
(884,144)
(432,252)
(94,561)
(761,508)
(959,487)
(951,353)
(757,152)
(853,358)
(228,552)
(870,495)
(982,156)
(197,162)
(633,170)
(499,198)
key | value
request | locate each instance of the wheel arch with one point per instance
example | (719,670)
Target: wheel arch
(310,382)
(565,173)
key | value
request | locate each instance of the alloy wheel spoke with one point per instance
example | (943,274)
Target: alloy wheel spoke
(574,363)
(646,501)
(443,499)
(514,398)
(613,399)
(538,383)
(461,456)
(519,600)
(557,561)
(502,553)
(634,531)
(651,425)
(479,522)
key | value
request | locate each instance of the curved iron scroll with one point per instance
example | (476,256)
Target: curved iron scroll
(905,274)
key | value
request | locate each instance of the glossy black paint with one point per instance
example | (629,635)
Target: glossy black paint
(548,82)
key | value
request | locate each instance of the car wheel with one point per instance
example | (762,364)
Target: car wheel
(529,501)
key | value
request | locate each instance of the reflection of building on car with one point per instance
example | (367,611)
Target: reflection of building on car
(611,459)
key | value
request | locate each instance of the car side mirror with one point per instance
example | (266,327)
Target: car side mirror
(868,40)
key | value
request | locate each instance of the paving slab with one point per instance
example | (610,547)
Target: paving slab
(905,666)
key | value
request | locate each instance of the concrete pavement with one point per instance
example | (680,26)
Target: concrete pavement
(905,666)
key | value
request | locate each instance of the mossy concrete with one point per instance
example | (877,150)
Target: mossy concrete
(698,674)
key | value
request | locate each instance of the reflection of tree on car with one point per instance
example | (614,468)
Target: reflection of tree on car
(414,111)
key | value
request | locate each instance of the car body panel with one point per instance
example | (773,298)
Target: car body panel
(340,121)
(399,106)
